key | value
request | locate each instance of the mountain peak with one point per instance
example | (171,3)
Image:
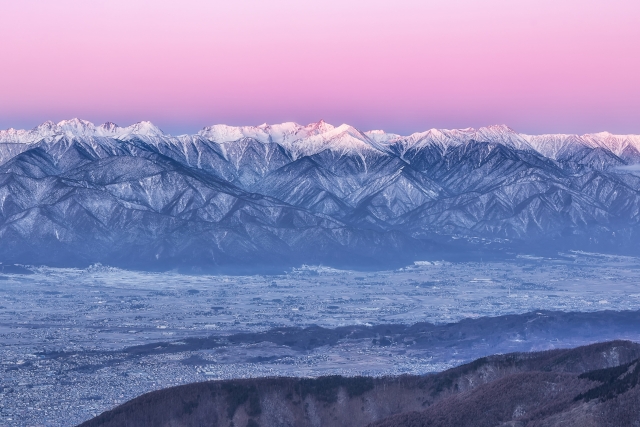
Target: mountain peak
(144,128)
(75,122)
(109,126)
(48,125)
(499,128)
(77,127)
(321,126)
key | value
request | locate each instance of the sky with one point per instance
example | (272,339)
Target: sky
(570,66)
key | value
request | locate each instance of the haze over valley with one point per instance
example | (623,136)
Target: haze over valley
(77,342)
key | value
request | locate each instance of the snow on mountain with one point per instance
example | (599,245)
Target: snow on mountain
(109,128)
(343,139)
(553,145)
(317,192)
(307,140)
(440,138)
(77,127)
(144,128)
(13,136)
(298,140)
(501,134)
(617,144)
(224,133)
(40,132)
(74,128)
(381,137)
(287,134)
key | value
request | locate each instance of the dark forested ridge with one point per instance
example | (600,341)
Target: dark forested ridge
(594,385)
(468,337)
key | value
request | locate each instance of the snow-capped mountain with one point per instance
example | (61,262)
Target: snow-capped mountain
(73,192)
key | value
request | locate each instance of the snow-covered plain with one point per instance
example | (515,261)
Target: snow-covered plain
(63,331)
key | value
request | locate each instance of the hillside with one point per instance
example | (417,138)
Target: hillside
(593,385)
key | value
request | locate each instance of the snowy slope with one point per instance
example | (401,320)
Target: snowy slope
(74,192)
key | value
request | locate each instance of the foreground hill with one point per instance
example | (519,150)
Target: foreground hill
(74,194)
(595,385)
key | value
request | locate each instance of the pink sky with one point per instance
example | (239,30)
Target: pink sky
(537,66)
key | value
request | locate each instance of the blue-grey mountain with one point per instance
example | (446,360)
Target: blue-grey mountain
(73,194)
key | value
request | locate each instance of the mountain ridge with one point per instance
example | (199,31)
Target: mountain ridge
(77,193)
(287,133)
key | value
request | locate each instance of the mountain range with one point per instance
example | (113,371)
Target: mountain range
(73,193)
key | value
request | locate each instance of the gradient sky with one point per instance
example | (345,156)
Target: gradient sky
(538,66)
